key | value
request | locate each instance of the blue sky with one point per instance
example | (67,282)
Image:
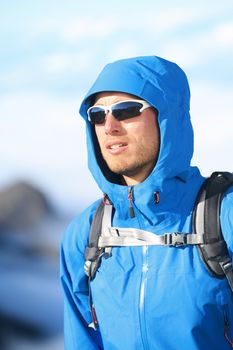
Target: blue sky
(51,51)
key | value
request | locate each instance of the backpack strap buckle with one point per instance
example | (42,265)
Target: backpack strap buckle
(175,239)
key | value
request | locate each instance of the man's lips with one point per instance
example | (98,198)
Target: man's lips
(116,147)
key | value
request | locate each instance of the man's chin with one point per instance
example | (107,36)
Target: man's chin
(125,171)
(125,168)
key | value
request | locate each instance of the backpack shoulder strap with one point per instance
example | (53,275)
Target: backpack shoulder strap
(93,253)
(206,219)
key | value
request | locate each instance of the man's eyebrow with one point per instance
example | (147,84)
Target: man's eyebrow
(101,104)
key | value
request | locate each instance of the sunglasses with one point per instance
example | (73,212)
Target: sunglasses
(121,111)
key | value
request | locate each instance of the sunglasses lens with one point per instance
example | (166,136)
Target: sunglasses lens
(97,115)
(121,111)
(126,110)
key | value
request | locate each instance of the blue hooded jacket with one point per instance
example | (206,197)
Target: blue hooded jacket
(156,297)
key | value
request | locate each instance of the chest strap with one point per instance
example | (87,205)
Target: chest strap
(124,237)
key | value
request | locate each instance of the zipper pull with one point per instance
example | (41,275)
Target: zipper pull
(130,199)
(226,330)
(94,324)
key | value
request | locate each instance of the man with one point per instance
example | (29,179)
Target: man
(140,144)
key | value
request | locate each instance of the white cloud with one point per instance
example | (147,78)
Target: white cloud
(213,125)
(184,53)
(175,18)
(75,29)
(200,49)
(66,62)
(89,27)
(125,48)
(223,34)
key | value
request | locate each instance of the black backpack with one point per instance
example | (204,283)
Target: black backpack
(207,232)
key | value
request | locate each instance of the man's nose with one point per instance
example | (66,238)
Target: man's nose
(112,125)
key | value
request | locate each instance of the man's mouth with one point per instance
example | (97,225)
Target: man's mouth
(116,147)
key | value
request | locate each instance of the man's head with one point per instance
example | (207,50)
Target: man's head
(153,145)
(130,147)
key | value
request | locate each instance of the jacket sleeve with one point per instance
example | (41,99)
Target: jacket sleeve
(77,315)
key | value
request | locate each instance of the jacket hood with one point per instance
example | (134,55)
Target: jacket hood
(164,85)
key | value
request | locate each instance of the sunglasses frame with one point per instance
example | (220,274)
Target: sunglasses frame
(108,109)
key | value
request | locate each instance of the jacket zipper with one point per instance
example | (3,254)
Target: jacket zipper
(142,297)
(143,282)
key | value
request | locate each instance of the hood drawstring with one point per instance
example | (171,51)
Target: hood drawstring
(156,197)
(106,200)
(130,199)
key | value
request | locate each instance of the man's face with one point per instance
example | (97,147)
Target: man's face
(129,147)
